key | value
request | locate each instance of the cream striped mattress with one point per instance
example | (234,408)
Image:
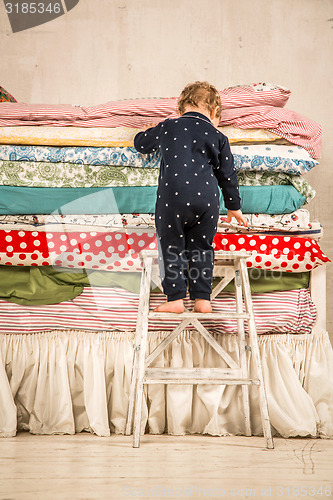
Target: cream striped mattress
(98,308)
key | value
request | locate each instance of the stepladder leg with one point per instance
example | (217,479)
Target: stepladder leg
(265,421)
(256,357)
(265,417)
(141,341)
(143,308)
(137,415)
(242,352)
(129,420)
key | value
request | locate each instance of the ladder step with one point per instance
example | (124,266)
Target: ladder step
(218,254)
(195,315)
(218,376)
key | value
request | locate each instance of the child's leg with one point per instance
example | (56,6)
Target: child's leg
(201,260)
(172,259)
(173,278)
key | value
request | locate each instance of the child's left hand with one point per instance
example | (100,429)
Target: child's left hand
(238,216)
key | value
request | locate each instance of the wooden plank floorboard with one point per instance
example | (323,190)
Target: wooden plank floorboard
(88,467)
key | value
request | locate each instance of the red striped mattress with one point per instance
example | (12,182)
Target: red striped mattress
(98,308)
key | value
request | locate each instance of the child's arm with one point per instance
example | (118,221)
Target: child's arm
(147,141)
(227,179)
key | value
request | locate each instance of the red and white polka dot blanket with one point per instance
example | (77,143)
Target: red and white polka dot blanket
(285,253)
(119,250)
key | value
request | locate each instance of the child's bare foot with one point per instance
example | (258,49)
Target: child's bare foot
(174,306)
(202,306)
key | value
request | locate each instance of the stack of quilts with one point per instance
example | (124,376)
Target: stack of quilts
(60,172)
(77,206)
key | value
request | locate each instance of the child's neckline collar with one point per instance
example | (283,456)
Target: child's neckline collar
(196,114)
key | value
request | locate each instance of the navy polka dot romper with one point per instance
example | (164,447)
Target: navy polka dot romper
(195,160)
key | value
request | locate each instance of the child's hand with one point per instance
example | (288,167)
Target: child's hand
(238,216)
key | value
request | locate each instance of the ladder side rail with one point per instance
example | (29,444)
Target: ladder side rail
(242,350)
(256,355)
(141,346)
(142,306)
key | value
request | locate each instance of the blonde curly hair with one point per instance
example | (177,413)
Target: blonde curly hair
(200,93)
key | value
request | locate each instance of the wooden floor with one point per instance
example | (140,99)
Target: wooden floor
(197,467)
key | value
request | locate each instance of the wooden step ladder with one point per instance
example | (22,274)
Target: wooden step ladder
(227,266)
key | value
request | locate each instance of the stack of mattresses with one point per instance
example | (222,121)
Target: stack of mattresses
(77,206)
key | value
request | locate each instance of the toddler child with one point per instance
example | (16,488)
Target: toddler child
(195,161)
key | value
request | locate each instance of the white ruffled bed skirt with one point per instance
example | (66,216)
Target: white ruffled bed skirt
(62,382)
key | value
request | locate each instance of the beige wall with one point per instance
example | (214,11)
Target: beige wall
(114,49)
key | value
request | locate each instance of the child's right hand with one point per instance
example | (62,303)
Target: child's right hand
(238,216)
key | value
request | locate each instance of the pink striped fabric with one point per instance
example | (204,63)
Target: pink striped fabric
(116,309)
(232,97)
(253,95)
(287,124)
